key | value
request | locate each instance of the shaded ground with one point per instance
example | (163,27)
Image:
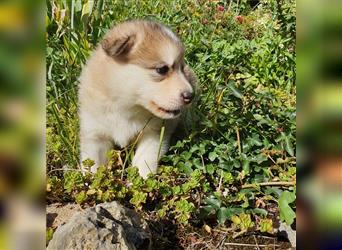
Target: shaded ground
(167,236)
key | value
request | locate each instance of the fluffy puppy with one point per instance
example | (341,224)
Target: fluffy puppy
(135,82)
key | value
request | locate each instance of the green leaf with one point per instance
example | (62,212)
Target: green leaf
(245,166)
(49,234)
(260,211)
(176,190)
(186,168)
(206,210)
(138,199)
(227,177)
(266,225)
(223,214)
(87,8)
(215,203)
(236,219)
(210,168)
(260,118)
(286,212)
(78,5)
(212,156)
(288,146)
(246,221)
(81,197)
(234,90)
(151,185)
(184,206)
(274,190)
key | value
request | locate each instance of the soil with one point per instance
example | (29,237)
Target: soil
(167,236)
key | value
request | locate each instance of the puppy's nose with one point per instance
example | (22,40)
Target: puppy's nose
(187,97)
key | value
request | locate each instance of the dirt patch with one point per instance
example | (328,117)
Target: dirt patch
(167,235)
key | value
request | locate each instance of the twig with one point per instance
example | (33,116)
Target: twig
(203,165)
(220,182)
(220,244)
(265,237)
(162,130)
(238,140)
(271,183)
(64,169)
(272,159)
(256,242)
(245,244)
(223,229)
(132,147)
(239,233)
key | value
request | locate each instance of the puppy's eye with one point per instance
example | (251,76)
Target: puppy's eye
(162,70)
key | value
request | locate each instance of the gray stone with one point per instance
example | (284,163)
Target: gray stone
(286,231)
(106,226)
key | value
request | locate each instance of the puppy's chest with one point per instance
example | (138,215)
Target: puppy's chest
(123,129)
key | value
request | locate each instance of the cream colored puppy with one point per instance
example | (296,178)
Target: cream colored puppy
(135,81)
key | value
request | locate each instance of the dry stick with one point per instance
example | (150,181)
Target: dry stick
(238,140)
(271,159)
(132,146)
(220,244)
(203,165)
(245,244)
(161,137)
(272,183)
(256,242)
(220,182)
(230,4)
(239,233)
(223,229)
(64,169)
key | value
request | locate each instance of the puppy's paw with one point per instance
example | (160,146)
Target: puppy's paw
(145,168)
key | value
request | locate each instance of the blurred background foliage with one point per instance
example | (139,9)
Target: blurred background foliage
(22,95)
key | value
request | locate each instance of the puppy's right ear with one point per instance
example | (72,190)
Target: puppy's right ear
(118,48)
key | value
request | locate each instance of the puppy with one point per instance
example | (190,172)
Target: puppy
(134,83)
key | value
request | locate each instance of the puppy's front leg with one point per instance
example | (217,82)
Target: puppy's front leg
(146,155)
(94,149)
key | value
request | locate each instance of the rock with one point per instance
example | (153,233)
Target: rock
(106,226)
(57,214)
(286,231)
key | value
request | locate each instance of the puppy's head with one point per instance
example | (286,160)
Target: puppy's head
(150,62)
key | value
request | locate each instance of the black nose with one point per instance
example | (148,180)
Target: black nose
(187,96)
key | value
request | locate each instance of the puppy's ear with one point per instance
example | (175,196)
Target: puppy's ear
(118,47)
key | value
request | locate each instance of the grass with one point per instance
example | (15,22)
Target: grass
(241,132)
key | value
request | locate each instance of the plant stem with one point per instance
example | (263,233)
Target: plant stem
(271,183)
(238,140)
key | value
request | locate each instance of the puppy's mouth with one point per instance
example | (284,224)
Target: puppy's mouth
(165,113)
(173,112)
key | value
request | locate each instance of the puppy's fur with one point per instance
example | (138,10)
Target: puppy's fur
(124,91)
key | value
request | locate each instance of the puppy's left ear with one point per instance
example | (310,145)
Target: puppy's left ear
(118,48)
